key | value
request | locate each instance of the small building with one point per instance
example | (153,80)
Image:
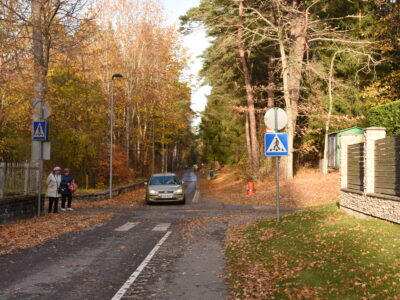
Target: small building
(334,146)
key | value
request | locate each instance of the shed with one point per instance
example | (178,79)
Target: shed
(334,146)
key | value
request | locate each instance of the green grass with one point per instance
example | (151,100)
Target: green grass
(318,253)
(88,191)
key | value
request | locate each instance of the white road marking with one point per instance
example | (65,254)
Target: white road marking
(121,292)
(263,207)
(196,196)
(162,227)
(127,226)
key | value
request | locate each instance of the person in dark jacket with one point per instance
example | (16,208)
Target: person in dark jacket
(66,180)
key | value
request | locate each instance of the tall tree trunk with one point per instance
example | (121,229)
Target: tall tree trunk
(166,158)
(162,151)
(286,96)
(271,82)
(296,57)
(271,89)
(328,120)
(144,144)
(153,151)
(128,121)
(249,92)
(174,158)
(292,65)
(248,140)
(138,153)
(128,134)
(40,66)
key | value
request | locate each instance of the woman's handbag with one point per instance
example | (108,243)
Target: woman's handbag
(62,189)
(72,187)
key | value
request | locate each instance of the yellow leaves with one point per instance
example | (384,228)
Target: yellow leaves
(384,90)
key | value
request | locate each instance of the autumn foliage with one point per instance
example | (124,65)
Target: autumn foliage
(82,46)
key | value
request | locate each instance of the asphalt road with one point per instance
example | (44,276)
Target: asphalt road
(150,252)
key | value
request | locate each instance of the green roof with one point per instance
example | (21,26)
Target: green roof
(347,129)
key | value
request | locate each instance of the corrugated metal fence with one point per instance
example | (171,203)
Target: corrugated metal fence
(18,178)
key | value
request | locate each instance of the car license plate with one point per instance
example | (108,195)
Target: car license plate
(166,196)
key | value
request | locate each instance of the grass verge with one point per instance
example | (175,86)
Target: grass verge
(317,253)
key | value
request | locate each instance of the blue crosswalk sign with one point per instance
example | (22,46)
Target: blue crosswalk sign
(39,131)
(276,144)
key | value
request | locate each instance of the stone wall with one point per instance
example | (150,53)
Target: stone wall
(103,195)
(19,207)
(367,201)
(24,207)
(379,206)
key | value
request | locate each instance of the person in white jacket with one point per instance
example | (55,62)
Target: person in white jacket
(53,183)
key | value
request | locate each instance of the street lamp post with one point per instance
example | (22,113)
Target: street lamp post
(112,130)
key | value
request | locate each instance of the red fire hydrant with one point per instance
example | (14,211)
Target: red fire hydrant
(250,188)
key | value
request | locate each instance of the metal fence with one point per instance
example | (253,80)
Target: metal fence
(18,178)
(387,166)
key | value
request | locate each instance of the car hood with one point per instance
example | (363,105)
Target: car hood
(165,187)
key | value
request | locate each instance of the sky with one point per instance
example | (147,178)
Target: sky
(196,43)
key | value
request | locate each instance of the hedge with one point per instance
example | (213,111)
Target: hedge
(388,116)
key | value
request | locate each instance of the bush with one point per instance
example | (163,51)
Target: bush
(387,116)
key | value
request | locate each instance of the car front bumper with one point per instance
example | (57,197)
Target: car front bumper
(157,198)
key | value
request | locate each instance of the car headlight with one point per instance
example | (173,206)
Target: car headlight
(178,191)
(153,192)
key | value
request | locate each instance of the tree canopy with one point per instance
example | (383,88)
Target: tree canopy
(73,50)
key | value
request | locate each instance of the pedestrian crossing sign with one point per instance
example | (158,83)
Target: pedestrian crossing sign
(39,131)
(276,144)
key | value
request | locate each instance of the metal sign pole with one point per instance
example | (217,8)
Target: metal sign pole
(40,180)
(111,138)
(277,189)
(40,165)
(276,144)
(277,169)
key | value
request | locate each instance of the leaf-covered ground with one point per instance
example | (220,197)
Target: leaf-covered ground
(32,232)
(308,188)
(317,253)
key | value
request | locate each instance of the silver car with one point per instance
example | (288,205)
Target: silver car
(165,187)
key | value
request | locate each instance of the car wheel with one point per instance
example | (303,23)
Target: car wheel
(183,201)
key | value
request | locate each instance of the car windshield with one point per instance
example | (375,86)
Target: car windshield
(164,180)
